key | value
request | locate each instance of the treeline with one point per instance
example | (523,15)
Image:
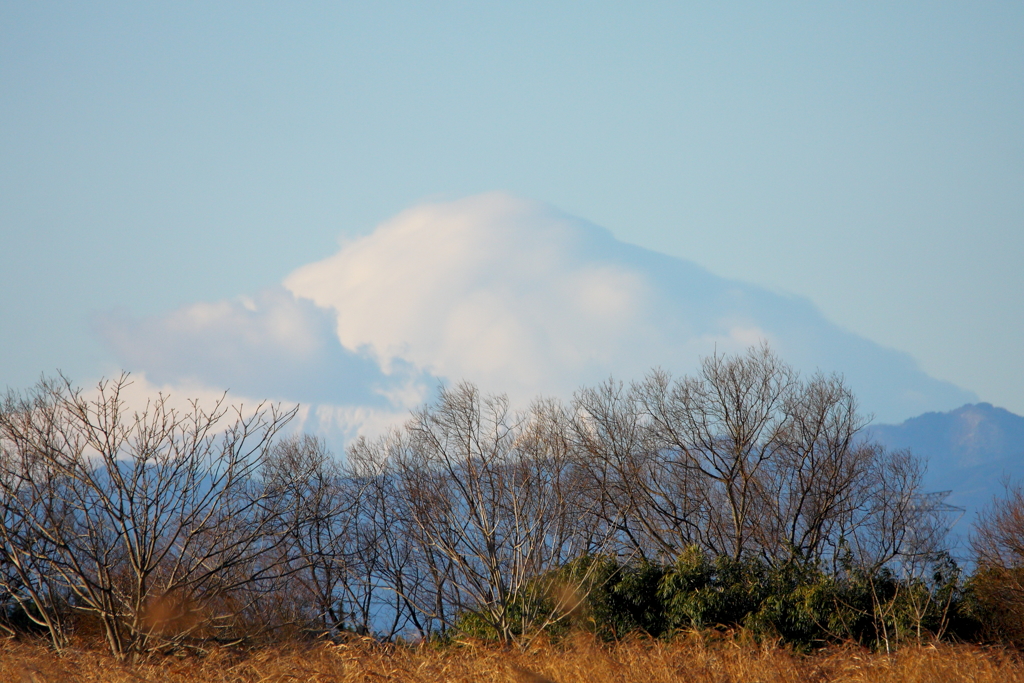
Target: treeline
(740,496)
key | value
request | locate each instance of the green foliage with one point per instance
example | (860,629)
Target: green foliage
(699,591)
(622,599)
(797,602)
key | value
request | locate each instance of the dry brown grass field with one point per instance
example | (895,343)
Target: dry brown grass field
(581,660)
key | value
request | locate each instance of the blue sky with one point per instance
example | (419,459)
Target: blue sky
(866,157)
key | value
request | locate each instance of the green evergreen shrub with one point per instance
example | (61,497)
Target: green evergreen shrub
(794,601)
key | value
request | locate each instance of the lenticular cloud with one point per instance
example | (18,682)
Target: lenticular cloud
(507,293)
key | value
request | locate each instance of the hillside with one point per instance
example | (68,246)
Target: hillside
(971,451)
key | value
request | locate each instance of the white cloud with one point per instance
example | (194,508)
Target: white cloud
(524,299)
(494,289)
(180,396)
(270,344)
(267,346)
(508,293)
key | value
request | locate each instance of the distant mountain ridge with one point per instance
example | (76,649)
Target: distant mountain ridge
(971,451)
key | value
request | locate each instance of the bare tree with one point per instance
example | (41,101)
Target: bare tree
(492,502)
(821,478)
(147,520)
(746,458)
(898,521)
(322,517)
(24,557)
(166,525)
(649,506)
(998,545)
(723,427)
(404,563)
(349,544)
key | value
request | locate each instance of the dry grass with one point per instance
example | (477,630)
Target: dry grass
(582,660)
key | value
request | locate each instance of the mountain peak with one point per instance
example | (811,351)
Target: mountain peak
(973,434)
(970,450)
